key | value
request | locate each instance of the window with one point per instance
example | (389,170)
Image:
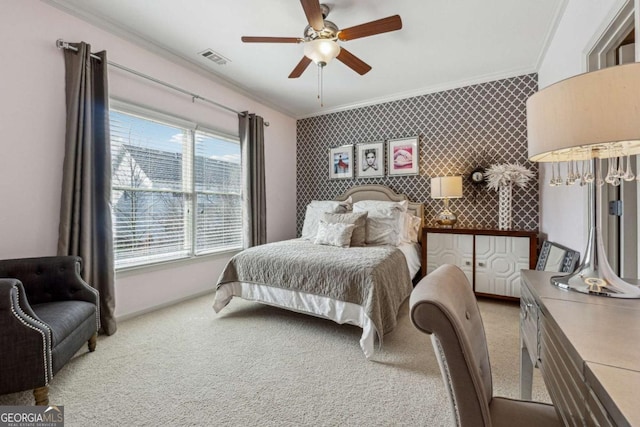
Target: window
(176,188)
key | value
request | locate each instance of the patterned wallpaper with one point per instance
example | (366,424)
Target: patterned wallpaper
(458,130)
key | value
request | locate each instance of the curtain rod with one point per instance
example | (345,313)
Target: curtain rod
(61,44)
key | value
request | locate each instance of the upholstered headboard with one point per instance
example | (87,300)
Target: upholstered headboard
(382,192)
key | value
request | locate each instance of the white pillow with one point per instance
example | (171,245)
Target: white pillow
(410,228)
(337,234)
(332,205)
(314,213)
(380,208)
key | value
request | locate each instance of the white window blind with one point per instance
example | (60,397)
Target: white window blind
(175,191)
(217,186)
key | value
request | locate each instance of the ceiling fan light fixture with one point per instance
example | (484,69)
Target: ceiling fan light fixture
(321,51)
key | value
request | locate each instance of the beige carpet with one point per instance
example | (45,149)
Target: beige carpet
(254,365)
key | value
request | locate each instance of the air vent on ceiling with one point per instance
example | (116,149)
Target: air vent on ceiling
(214,56)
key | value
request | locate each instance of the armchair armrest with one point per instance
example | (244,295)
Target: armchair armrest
(21,301)
(31,367)
(47,279)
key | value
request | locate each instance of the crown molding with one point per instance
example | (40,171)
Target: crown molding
(551,32)
(104,23)
(427,90)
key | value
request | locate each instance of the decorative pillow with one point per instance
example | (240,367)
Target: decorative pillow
(384,220)
(358,219)
(314,212)
(383,231)
(337,234)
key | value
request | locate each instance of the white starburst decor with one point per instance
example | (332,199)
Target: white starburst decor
(502,178)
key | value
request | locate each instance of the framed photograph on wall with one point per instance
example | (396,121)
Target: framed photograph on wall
(403,156)
(341,162)
(370,160)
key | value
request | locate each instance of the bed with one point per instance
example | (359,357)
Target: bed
(362,285)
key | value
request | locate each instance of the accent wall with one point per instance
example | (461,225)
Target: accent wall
(458,130)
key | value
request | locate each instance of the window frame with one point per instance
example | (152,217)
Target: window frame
(189,190)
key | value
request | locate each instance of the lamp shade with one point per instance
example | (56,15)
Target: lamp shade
(321,51)
(446,187)
(595,114)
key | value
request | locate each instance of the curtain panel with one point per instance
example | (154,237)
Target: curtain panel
(254,206)
(85,212)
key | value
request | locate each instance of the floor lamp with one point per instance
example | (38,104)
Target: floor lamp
(580,121)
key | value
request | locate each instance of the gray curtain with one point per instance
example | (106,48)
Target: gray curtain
(254,202)
(85,213)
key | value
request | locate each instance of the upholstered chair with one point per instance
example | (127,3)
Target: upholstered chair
(47,313)
(444,306)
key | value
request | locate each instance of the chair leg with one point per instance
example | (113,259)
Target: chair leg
(41,395)
(92,342)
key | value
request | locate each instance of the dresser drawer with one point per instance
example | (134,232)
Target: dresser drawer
(529,326)
(596,415)
(562,374)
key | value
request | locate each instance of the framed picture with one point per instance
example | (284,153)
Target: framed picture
(341,162)
(370,160)
(403,156)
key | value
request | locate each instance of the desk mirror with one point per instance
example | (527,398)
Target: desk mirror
(554,257)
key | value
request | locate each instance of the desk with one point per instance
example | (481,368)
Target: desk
(588,351)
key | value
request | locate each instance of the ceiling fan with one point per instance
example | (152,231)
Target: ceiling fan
(321,36)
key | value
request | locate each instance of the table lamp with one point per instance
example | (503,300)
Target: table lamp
(446,187)
(580,121)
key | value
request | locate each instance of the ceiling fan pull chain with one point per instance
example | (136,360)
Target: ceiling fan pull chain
(321,86)
(319,70)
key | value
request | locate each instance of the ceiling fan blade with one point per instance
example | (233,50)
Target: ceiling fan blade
(302,65)
(384,25)
(314,13)
(271,39)
(353,62)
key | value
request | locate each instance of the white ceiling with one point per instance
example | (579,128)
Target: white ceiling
(443,44)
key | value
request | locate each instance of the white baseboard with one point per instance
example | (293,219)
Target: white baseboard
(164,305)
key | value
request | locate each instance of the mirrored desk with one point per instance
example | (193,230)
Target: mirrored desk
(587,348)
